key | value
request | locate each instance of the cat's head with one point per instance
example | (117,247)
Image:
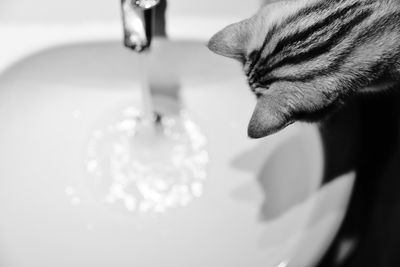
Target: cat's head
(241,41)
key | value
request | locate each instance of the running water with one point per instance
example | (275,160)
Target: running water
(146,162)
(145,59)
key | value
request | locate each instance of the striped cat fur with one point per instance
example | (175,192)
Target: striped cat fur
(304,58)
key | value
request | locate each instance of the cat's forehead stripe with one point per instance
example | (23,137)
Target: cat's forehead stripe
(314,51)
(256,54)
(321,25)
(315,47)
(339,11)
(297,11)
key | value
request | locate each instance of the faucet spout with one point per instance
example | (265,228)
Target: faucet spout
(138,22)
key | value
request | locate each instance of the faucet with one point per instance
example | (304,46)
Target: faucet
(141,20)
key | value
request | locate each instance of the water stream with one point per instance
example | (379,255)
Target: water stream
(146,161)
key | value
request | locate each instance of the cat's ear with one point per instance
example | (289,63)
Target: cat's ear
(268,117)
(232,41)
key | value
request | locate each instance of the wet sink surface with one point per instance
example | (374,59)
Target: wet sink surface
(258,202)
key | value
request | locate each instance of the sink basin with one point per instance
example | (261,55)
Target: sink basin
(258,204)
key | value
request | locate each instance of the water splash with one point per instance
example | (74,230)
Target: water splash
(139,168)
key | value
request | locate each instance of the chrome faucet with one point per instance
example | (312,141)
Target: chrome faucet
(140,22)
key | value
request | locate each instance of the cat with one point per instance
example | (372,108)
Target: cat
(304,58)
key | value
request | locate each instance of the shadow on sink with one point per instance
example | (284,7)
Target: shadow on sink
(288,176)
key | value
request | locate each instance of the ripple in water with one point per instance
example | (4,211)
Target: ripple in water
(139,167)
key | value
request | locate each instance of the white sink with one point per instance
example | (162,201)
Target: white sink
(261,203)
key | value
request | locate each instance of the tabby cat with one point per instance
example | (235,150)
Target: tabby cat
(304,58)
